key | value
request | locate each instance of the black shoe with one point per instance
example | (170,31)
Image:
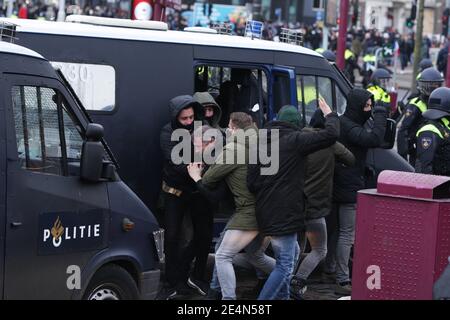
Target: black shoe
(213,295)
(298,288)
(184,290)
(200,286)
(166,293)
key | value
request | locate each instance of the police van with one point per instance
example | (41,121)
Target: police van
(70,228)
(125,72)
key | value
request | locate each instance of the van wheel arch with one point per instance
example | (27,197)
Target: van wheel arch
(112,282)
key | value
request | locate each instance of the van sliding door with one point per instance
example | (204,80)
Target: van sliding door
(282,90)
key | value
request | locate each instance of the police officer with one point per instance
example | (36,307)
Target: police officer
(329,55)
(379,86)
(429,80)
(433,138)
(350,63)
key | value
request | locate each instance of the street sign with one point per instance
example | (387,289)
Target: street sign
(319,15)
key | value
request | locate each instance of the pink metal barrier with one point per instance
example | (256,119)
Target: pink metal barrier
(402,236)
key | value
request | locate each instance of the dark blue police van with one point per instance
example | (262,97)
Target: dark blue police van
(125,72)
(70,228)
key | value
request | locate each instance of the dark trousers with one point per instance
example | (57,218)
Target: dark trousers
(178,259)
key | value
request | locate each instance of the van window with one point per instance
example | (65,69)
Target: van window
(234,89)
(341,101)
(313,88)
(48,140)
(94,84)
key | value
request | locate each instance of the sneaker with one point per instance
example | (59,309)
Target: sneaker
(200,286)
(329,278)
(166,293)
(213,295)
(343,288)
(184,290)
(298,288)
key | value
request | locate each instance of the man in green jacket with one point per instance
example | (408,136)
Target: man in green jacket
(242,228)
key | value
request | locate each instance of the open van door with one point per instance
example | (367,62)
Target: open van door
(55,222)
(282,90)
(2,189)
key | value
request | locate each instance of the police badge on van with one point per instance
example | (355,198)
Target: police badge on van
(71,232)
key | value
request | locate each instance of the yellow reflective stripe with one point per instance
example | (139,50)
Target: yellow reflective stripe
(369,58)
(418,76)
(446,122)
(419,104)
(430,127)
(320,50)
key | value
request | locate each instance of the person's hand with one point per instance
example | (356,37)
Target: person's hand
(326,110)
(195,171)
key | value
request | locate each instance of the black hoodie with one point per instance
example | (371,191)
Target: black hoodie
(177,176)
(348,180)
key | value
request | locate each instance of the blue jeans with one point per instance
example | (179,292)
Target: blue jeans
(232,243)
(277,285)
(254,256)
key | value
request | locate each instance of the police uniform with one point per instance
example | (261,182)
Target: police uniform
(433,138)
(380,96)
(412,120)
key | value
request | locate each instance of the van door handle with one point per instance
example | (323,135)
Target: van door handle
(16,224)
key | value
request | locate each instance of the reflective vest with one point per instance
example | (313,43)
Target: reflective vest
(370,58)
(310,94)
(320,50)
(419,104)
(348,54)
(379,94)
(433,128)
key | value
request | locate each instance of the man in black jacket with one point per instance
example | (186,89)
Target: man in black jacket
(348,180)
(279,197)
(179,192)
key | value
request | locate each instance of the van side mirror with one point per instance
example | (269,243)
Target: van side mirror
(92,153)
(389,136)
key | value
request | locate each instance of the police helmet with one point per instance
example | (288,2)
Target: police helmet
(329,55)
(429,80)
(438,104)
(425,63)
(381,77)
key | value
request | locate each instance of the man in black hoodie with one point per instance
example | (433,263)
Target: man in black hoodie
(179,191)
(349,180)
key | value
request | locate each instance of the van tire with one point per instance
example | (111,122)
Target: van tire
(112,282)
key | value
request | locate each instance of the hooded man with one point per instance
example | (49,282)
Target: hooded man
(179,191)
(349,180)
(212,111)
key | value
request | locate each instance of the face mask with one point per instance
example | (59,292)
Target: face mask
(209,119)
(367,115)
(189,127)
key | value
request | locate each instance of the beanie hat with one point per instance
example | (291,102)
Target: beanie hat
(289,114)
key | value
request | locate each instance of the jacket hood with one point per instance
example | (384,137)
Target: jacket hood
(182,102)
(206,99)
(356,102)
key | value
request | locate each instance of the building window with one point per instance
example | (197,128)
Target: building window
(317,5)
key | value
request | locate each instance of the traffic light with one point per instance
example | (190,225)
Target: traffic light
(410,23)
